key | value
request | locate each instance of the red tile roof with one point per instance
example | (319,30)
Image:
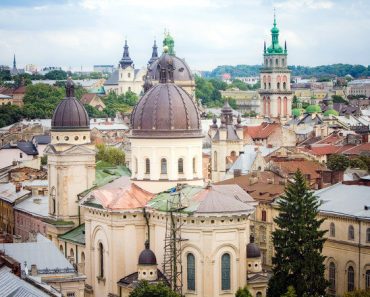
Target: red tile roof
(87,98)
(260,132)
(358,149)
(307,167)
(20,90)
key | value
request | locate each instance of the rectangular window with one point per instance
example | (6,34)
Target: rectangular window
(71,294)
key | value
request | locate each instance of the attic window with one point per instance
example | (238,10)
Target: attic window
(181,69)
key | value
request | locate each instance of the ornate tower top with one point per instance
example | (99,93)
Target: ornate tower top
(169,42)
(14,63)
(126,60)
(154,53)
(275,48)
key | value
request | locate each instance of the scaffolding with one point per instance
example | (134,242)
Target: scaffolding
(172,264)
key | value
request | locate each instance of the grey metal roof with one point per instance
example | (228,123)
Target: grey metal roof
(35,205)
(42,139)
(226,199)
(43,253)
(13,286)
(348,200)
(113,79)
(9,194)
(25,146)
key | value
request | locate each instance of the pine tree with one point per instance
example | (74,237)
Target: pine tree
(243,292)
(290,292)
(298,243)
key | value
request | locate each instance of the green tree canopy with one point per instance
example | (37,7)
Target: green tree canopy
(337,162)
(144,289)
(298,243)
(358,293)
(358,163)
(109,154)
(338,99)
(56,75)
(41,100)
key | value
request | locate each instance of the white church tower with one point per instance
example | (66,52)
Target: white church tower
(275,92)
(71,158)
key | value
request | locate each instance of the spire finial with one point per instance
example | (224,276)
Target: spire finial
(70,88)
(274,17)
(146,244)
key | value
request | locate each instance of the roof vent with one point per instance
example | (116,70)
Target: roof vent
(366,207)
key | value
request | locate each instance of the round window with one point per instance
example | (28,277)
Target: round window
(66,138)
(76,138)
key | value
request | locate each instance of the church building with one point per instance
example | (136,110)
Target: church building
(275,92)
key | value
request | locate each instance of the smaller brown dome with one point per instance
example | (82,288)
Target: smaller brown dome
(70,113)
(253,251)
(147,257)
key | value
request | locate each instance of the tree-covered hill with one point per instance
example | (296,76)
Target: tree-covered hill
(318,71)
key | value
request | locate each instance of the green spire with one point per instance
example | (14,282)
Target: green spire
(169,43)
(275,47)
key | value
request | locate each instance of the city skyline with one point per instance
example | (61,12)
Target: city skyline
(206,33)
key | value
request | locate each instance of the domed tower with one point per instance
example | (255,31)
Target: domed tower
(182,75)
(275,92)
(71,157)
(166,136)
(147,265)
(257,279)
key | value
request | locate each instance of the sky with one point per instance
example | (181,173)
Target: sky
(207,33)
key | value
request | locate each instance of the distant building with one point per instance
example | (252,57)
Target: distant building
(30,68)
(249,80)
(104,68)
(47,69)
(359,87)
(246,101)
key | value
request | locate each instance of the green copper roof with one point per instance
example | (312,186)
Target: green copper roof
(76,235)
(296,112)
(313,108)
(275,47)
(106,172)
(331,112)
(169,43)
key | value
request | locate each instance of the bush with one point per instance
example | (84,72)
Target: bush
(338,162)
(144,289)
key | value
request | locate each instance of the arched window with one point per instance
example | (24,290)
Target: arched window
(284,85)
(194,166)
(71,253)
(278,85)
(350,279)
(277,62)
(259,294)
(332,230)
(332,274)
(264,86)
(283,62)
(136,165)
(61,248)
(368,234)
(180,165)
(147,166)
(269,86)
(215,161)
(367,279)
(101,260)
(264,215)
(163,166)
(82,257)
(190,273)
(351,233)
(225,272)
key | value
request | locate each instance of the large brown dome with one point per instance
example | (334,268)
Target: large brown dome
(70,113)
(181,70)
(166,111)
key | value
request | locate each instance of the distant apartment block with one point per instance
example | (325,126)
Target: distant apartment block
(104,68)
(359,87)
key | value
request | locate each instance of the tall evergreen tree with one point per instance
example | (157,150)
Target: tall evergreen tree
(298,243)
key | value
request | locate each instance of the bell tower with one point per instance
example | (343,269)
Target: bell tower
(71,158)
(275,92)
